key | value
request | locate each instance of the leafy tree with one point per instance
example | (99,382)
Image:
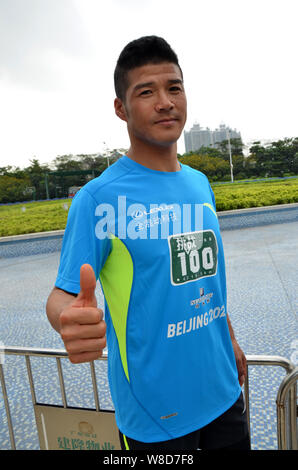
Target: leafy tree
(35,172)
(210,151)
(12,171)
(295,163)
(275,159)
(236,148)
(13,189)
(214,168)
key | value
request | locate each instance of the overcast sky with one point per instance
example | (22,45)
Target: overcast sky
(57,57)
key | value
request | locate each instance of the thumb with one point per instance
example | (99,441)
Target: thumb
(86,297)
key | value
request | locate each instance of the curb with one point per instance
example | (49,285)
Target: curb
(31,236)
(293,205)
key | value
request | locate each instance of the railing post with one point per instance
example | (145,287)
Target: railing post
(30,377)
(294,416)
(8,415)
(61,381)
(287,388)
(246,397)
(94,383)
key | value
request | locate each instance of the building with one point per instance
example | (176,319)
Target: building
(198,137)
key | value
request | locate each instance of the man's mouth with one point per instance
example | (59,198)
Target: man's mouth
(166,121)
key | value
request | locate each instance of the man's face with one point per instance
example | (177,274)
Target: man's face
(155,104)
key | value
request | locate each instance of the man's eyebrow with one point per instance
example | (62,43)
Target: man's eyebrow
(142,85)
(148,84)
(176,80)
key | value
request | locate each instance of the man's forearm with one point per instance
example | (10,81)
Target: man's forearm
(231,329)
(239,355)
(57,301)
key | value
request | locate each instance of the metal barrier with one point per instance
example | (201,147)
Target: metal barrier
(286,406)
(286,400)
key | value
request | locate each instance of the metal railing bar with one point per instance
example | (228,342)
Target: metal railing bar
(40,352)
(61,381)
(288,385)
(94,383)
(251,359)
(270,361)
(281,397)
(22,351)
(7,409)
(30,376)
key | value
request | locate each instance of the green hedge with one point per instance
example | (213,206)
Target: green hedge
(255,194)
(52,215)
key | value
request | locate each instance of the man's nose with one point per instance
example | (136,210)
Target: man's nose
(163,103)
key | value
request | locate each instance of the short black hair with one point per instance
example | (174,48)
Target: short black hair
(142,51)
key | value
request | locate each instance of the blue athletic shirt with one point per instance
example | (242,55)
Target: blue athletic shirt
(154,243)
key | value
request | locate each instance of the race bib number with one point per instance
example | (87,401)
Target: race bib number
(193,256)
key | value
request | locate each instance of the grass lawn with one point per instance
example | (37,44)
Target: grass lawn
(44,216)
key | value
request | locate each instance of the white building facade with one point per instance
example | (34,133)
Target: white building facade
(198,137)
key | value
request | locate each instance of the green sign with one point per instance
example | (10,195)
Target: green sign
(193,256)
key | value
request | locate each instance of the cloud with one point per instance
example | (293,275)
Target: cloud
(38,39)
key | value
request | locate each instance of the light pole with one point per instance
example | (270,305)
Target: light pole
(230,153)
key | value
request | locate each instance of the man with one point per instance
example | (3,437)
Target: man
(148,229)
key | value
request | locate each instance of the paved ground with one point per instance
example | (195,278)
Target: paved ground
(262,273)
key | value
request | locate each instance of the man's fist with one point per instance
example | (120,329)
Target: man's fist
(81,325)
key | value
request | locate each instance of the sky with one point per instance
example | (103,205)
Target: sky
(57,58)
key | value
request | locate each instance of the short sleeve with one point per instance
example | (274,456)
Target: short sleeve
(212,196)
(80,244)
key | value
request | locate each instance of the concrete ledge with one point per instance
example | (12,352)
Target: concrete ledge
(293,205)
(31,236)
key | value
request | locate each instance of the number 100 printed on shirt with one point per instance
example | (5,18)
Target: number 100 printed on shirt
(193,256)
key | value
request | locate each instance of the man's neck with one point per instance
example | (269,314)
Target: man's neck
(155,158)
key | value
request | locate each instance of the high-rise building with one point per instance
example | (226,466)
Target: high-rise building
(198,137)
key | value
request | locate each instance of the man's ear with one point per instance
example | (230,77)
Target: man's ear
(120,109)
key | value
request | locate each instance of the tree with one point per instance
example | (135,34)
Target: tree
(236,148)
(12,171)
(276,158)
(13,189)
(213,167)
(36,173)
(210,151)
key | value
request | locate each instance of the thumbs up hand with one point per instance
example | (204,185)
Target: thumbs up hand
(82,327)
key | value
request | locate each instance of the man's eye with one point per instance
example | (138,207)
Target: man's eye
(145,92)
(175,88)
